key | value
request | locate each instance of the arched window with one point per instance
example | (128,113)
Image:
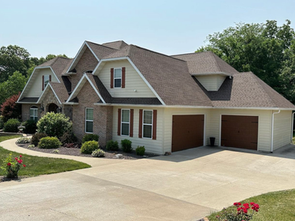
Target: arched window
(34,113)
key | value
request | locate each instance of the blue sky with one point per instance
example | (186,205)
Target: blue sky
(170,27)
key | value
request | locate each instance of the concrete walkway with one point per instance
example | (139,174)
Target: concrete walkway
(186,185)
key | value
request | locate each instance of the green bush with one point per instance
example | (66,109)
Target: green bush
(30,126)
(68,137)
(98,153)
(1,122)
(36,138)
(112,145)
(90,137)
(54,124)
(89,146)
(126,145)
(11,125)
(49,143)
(140,150)
(23,140)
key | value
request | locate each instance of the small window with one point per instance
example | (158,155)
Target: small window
(118,77)
(89,120)
(34,113)
(147,123)
(46,80)
(125,122)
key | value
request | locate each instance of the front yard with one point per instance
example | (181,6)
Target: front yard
(36,166)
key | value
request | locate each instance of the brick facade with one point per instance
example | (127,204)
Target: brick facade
(48,99)
(102,115)
(86,63)
(26,111)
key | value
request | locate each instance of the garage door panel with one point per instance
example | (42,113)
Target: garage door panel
(239,131)
(187,131)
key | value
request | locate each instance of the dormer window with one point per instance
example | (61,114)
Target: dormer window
(118,77)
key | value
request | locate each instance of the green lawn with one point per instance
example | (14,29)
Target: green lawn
(273,206)
(36,166)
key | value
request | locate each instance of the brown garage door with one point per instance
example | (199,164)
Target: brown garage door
(239,131)
(187,131)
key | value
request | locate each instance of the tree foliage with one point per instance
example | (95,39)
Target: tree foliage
(10,109)
(266,49)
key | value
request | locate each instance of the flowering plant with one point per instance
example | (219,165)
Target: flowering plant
(11,167)
(241,212)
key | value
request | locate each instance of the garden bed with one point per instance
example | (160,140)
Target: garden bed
(76,151)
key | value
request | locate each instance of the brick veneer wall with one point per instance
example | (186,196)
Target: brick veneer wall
(102,115)
(48,99)
(86,63)
(26,111)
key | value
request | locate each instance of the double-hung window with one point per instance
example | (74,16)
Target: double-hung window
(147,124)
(46,80)
(125,122)
(34,113)
(89,120)
(118,77)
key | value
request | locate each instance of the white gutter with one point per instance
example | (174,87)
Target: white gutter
(292,127)
(272,129)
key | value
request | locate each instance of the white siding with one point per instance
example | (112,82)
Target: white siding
(264,125)
(36,85)
(152,146)
(169,112)
(282,129)
(211,82)
(134,84)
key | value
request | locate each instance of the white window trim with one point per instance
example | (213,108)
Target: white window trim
(35,110)
(46,75)
(117,78)
(89,120)
(125,123)
(147,124)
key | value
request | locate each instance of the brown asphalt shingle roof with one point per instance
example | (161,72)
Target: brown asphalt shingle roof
(203,63)
(115,44)
(246,90)
(100,51)
(60,91)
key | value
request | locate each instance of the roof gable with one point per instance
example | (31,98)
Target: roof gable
(115,44)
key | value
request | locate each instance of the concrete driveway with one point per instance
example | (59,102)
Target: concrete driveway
(186,185)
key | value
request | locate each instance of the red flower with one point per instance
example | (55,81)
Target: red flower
(24,165)
(252,203)
(246,205)
(9,164)
(239,208)
(245,210)
(20,156)
(16,158)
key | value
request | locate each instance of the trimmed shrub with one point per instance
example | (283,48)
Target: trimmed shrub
(11,125)
(1,122)
(31,146)
(89,146)
(140,150)
(30,126)
(54,124)
(90,137)
(49,143)
(98,153)
(112,145)
(36,138)
(126,145)
(23,140)
(68,137)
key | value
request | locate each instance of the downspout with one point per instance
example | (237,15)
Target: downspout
(292,128)
(272,129)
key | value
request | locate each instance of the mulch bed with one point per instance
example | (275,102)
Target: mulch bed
(75,151)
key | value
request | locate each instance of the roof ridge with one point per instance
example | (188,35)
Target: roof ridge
(200,52)
(101,45)
(215,61)
(157,53)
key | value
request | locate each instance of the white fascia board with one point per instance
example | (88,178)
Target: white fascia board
(45,90)
(76,56)
(95,89)
(139,73)
(76,88)
(36,68)
(92,51)
(230,108)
